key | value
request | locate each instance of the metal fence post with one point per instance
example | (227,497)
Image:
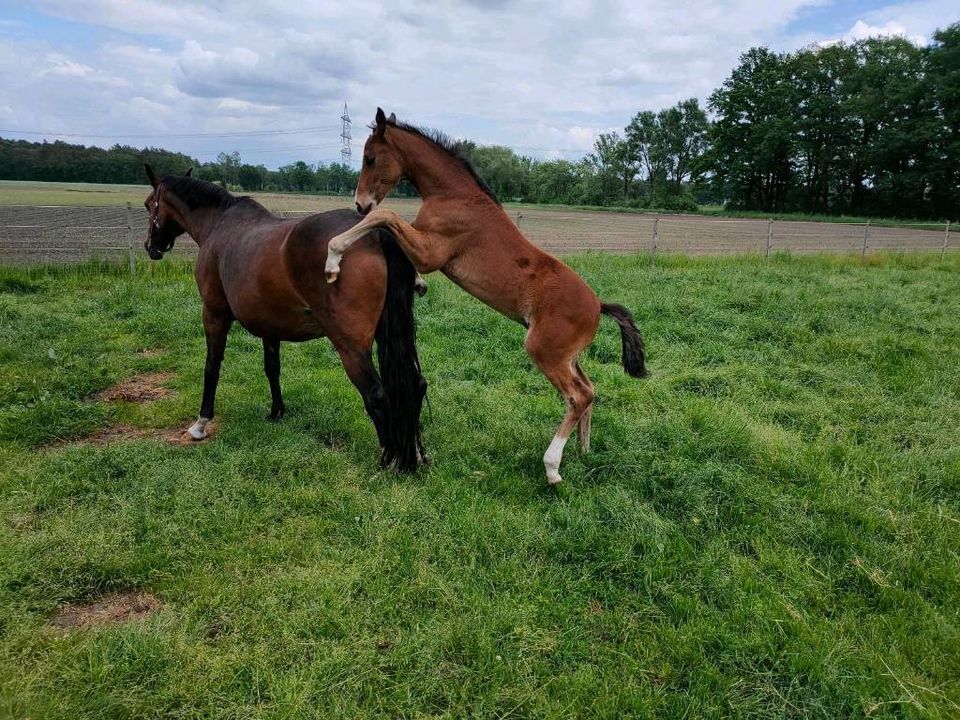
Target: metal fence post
(653,241)
(946,239)
(133,257)
(769,239)
(866,237)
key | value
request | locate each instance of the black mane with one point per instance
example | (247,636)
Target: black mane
(199,193)
(453,148)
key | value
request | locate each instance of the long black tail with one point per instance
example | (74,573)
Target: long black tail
(632,340)
(403,382)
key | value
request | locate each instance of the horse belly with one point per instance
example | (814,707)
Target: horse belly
(276,312)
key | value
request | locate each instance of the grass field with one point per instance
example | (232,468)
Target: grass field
(767,527)
(15,192)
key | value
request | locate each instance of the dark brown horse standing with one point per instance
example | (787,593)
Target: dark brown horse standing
(265,273)
(462,231)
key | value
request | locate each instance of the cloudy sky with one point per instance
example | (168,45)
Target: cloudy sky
(269,78)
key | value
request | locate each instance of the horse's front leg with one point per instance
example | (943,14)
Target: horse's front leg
(420,247)
(216,325)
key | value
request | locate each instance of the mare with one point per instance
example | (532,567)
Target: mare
(265,272)
(462,231)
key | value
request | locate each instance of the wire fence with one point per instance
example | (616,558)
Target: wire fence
(66,234)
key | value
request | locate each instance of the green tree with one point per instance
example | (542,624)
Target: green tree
(755,131)
(943,73)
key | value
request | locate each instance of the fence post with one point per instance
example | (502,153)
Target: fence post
(866,237)
(519,219)
(133,257)
(946,239)
(769,239)
(653,241)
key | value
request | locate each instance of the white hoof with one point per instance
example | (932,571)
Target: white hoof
(554,479)
(198,431)
(420,285)
(332,269)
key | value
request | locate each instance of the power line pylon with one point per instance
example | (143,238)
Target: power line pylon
(345,152)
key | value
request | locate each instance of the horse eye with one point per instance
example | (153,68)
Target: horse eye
(368,161)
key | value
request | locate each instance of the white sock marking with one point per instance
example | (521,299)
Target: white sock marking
(198,431)
(552,458)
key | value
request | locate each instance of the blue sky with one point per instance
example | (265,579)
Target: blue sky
(542,77)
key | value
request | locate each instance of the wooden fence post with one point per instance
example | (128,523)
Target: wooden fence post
(133,257)
(519,220)
(946,239)
(653,241)
(866,237)
(769,239)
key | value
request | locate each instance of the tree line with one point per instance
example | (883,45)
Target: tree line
(866,128)
(64,162)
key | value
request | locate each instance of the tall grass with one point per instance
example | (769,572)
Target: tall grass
(767,527)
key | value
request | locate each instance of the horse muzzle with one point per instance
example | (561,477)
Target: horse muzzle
(153,252)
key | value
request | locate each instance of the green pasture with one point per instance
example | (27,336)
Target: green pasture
(767,527)
(17,192)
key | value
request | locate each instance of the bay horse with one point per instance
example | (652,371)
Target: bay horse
(263,272)
(463,231)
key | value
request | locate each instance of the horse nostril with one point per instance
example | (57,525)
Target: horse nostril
(359,208)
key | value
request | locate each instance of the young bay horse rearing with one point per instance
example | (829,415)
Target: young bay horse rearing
(462,231)
(264,272)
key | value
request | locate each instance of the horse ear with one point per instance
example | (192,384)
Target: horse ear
(150,175)
(381,122)
(392,119)
(188,172)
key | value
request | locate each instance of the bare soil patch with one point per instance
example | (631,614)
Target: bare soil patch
(172,435)
(151,352)
(180,436)
(108,609)
(138,389)
(108,435)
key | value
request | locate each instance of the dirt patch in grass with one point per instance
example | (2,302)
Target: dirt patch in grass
(151,352)
(105,436)
(108,609)
(138,389)
(172,435)
(180,436)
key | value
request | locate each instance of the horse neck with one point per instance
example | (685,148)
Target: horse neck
(199,222)
(432,170)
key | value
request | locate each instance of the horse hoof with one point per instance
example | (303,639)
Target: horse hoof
(276,415)
(198,431)
(554,480)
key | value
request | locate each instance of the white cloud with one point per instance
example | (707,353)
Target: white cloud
(530,74)
(862,30)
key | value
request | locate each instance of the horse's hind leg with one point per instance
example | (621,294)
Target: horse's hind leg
(216,325)
(271,367)
(358,365)
(557,363)
(583,426)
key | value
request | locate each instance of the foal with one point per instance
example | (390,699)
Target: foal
(462,231)
(261,271)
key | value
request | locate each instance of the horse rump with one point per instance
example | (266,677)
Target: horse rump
(403,381)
